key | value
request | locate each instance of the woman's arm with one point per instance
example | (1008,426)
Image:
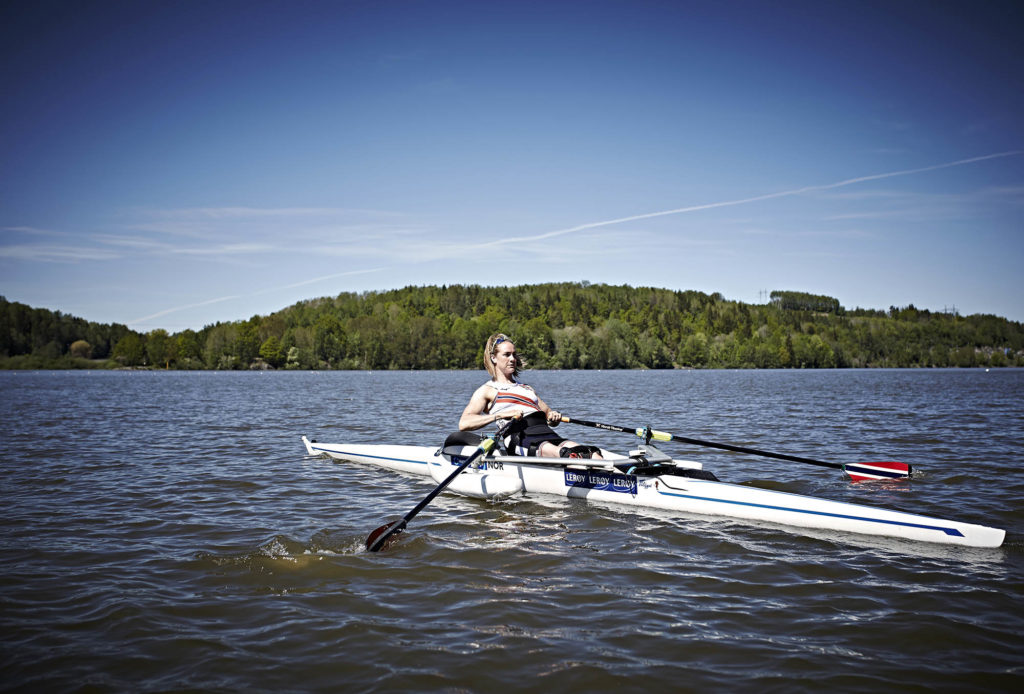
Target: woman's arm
(554,416)
(475,415)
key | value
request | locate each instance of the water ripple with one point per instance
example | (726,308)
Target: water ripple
(166,532)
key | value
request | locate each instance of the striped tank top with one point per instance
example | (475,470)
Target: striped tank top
(514,395)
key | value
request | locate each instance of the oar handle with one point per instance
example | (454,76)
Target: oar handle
(642,433)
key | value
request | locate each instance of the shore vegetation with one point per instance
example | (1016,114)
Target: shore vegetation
(556,326)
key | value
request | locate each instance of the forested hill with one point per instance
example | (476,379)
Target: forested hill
(560,326)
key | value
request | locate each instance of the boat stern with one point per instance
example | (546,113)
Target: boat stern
(309,447)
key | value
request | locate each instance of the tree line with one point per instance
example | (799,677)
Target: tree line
(555,326)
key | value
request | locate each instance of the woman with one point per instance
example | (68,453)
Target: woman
(504,397)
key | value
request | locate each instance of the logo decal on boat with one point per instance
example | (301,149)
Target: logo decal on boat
(479,465)
(601,481)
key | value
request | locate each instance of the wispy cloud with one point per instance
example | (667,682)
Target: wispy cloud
(210,226)
(33,231)
(229,249)
(846,234)
(132,242)
(918,206)
(228,213)
(51,253)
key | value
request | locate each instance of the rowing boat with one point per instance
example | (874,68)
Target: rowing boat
(647,478)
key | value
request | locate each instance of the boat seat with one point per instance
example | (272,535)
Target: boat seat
(462,438)
(463,443)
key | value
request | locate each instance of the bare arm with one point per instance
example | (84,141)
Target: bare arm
(475,415)
(554,416)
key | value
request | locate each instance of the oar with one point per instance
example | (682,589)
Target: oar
(857,471)
(384,536)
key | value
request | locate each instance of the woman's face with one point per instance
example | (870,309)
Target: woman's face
(505,359)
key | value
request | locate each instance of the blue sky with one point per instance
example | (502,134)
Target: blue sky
(170,165)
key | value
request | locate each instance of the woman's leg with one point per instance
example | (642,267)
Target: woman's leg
(552,450)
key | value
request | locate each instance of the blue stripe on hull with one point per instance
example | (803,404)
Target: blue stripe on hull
(364,455)
(953,532)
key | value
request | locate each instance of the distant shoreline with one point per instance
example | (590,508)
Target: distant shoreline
(557,326)
(107,365)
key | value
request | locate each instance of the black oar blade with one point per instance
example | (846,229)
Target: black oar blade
(385,536)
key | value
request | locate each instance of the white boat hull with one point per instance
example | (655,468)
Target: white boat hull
(503,476)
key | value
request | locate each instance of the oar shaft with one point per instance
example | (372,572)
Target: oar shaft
(754,451)
(378,539)
(665,436)
(485,447)
(377,542)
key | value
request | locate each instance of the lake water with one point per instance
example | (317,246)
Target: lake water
(165,532)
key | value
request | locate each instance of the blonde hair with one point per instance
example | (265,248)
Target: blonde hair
(492,346)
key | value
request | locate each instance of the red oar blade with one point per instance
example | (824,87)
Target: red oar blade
(385,536)
(863,472)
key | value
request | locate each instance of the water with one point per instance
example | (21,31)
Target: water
(164,531)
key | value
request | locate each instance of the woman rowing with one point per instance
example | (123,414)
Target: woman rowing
(504,397)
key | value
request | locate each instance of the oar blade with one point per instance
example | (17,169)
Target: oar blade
(865,472)
(385,536)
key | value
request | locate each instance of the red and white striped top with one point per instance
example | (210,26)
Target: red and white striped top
(514,395)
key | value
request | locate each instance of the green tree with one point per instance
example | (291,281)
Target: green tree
(188,350)
(694,351)
(49,351)
(130,350)
(328,339)
(611,346)
(785,350)
(571,347)
(247,344)
(270,352)
(158,348)
(534,340)
(652,352)
(217,352)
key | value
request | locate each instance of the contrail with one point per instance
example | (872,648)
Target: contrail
(160,314)
(314,280)
(744,201)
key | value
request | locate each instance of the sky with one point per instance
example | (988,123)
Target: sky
(173,165)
